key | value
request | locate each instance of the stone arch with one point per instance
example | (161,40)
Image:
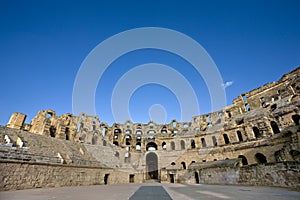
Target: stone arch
(127,139)
(183,165)
(226,139)
(138,146)
(193,145)
(256,132)
(172,145)
(244,159)
(94,139)
(275,127)
(151,146)
(52,131)
(182,144)
(214,140)
(239,135)
(151,166)
(203,142)
(296,119)
(67,133)
(260,158)
(116,143)
(197,181)
(164,146)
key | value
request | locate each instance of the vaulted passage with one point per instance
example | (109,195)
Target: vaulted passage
(260,158)
(275,128)
(296,119)
(151,166)
(151,146)
(244,159)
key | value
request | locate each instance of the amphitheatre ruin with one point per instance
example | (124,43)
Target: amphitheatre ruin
(253,141)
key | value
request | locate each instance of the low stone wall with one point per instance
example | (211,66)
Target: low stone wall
(284,174)
(224,175)
(17,175)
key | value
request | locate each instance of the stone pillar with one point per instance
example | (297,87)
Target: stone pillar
(16,121)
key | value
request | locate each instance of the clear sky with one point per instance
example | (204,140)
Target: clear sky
(43,44)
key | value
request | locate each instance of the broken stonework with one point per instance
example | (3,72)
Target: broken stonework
(254,141)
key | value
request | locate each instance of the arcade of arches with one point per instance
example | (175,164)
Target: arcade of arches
(243,142)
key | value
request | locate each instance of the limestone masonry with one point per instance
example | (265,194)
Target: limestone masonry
(254,141)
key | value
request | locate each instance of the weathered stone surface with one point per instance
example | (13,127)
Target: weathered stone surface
(261,129)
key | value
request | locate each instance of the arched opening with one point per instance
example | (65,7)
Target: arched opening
(182,144)
(151,166)
(164,146)
(197,178)
(151,146)
(172,145)
(106,179)
(193,145)
(203,142)
(296,119)
(79,127)
(256,132)
(244,160)
(260,158)
(295,155)
(131,178)
(127,139)
(247,107)
(174,124)
(52,130)
(173,163)
(164,130)
(214,140)
(226,139)
(94,140)
(275,128)
(49,115)
(67,132)
(239,135)
(104,131)
(116,143)
(172,179)
(183,165)
(138,146)
(117,130)
(127,157)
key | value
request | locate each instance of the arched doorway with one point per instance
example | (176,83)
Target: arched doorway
(197,178)
(151,166)
(244,160)
(275,128)
(260,158)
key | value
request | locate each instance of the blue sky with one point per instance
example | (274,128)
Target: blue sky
(43,43)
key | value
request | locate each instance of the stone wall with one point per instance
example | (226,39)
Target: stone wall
(284,174)
(24,175)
